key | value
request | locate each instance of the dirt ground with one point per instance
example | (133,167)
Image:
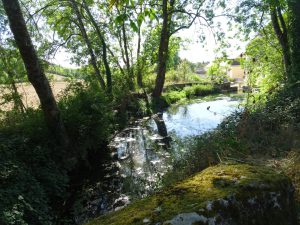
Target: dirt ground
(29,96)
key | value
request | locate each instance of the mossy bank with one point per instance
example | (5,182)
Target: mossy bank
(223,194)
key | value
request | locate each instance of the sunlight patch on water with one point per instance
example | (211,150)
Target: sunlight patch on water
(143,153)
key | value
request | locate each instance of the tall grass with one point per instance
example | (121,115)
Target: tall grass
(198,90)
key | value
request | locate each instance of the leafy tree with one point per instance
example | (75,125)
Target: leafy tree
(294,27)
(12,70)
(72,29)
(286,30)
(167,7)
(176,16)
(281,31)
(218,70)
(263,61)
(104,46)
(87,41)
(184,69)
(35,71)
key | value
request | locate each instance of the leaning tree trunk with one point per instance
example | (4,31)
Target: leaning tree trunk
(281,32)
(87,42)
(116,60)
(294,18)
(163,52)
(104,48)
(35,72)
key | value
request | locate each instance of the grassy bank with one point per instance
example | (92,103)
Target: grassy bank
(190,92)
(265,133)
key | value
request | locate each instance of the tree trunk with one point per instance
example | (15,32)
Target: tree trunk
(104,48)
(129,71)
(294,18)
(35,72)
(282,36)
(119,38)
(163,51)
(139,77)
(116,60)
(87,42)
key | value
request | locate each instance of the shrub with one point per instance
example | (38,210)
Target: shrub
(189,91)
(34,171)
(87,115)
(174,96)
(33,180)
(199,90)
(173,76)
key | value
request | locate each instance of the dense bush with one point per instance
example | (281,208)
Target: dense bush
(33,176)
(199,90)
(87,114)
(34,171)
(174,96)
(37,176)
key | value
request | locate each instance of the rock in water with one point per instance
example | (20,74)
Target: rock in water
(220,195)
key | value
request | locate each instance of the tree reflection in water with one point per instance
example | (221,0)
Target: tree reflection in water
(143,153)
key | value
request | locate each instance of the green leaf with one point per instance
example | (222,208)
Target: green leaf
(152,14)
(140,19)
(132,3)
(120,19)
(134,26)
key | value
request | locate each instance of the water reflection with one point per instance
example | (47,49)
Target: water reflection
(144,152)
(160,124)
(142,157)
(199,117)
(162,129)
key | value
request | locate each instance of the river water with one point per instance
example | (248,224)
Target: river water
(145,151)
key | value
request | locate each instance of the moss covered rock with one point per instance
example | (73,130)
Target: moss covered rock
(224,194)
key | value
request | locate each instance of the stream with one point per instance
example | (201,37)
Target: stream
(146,150)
